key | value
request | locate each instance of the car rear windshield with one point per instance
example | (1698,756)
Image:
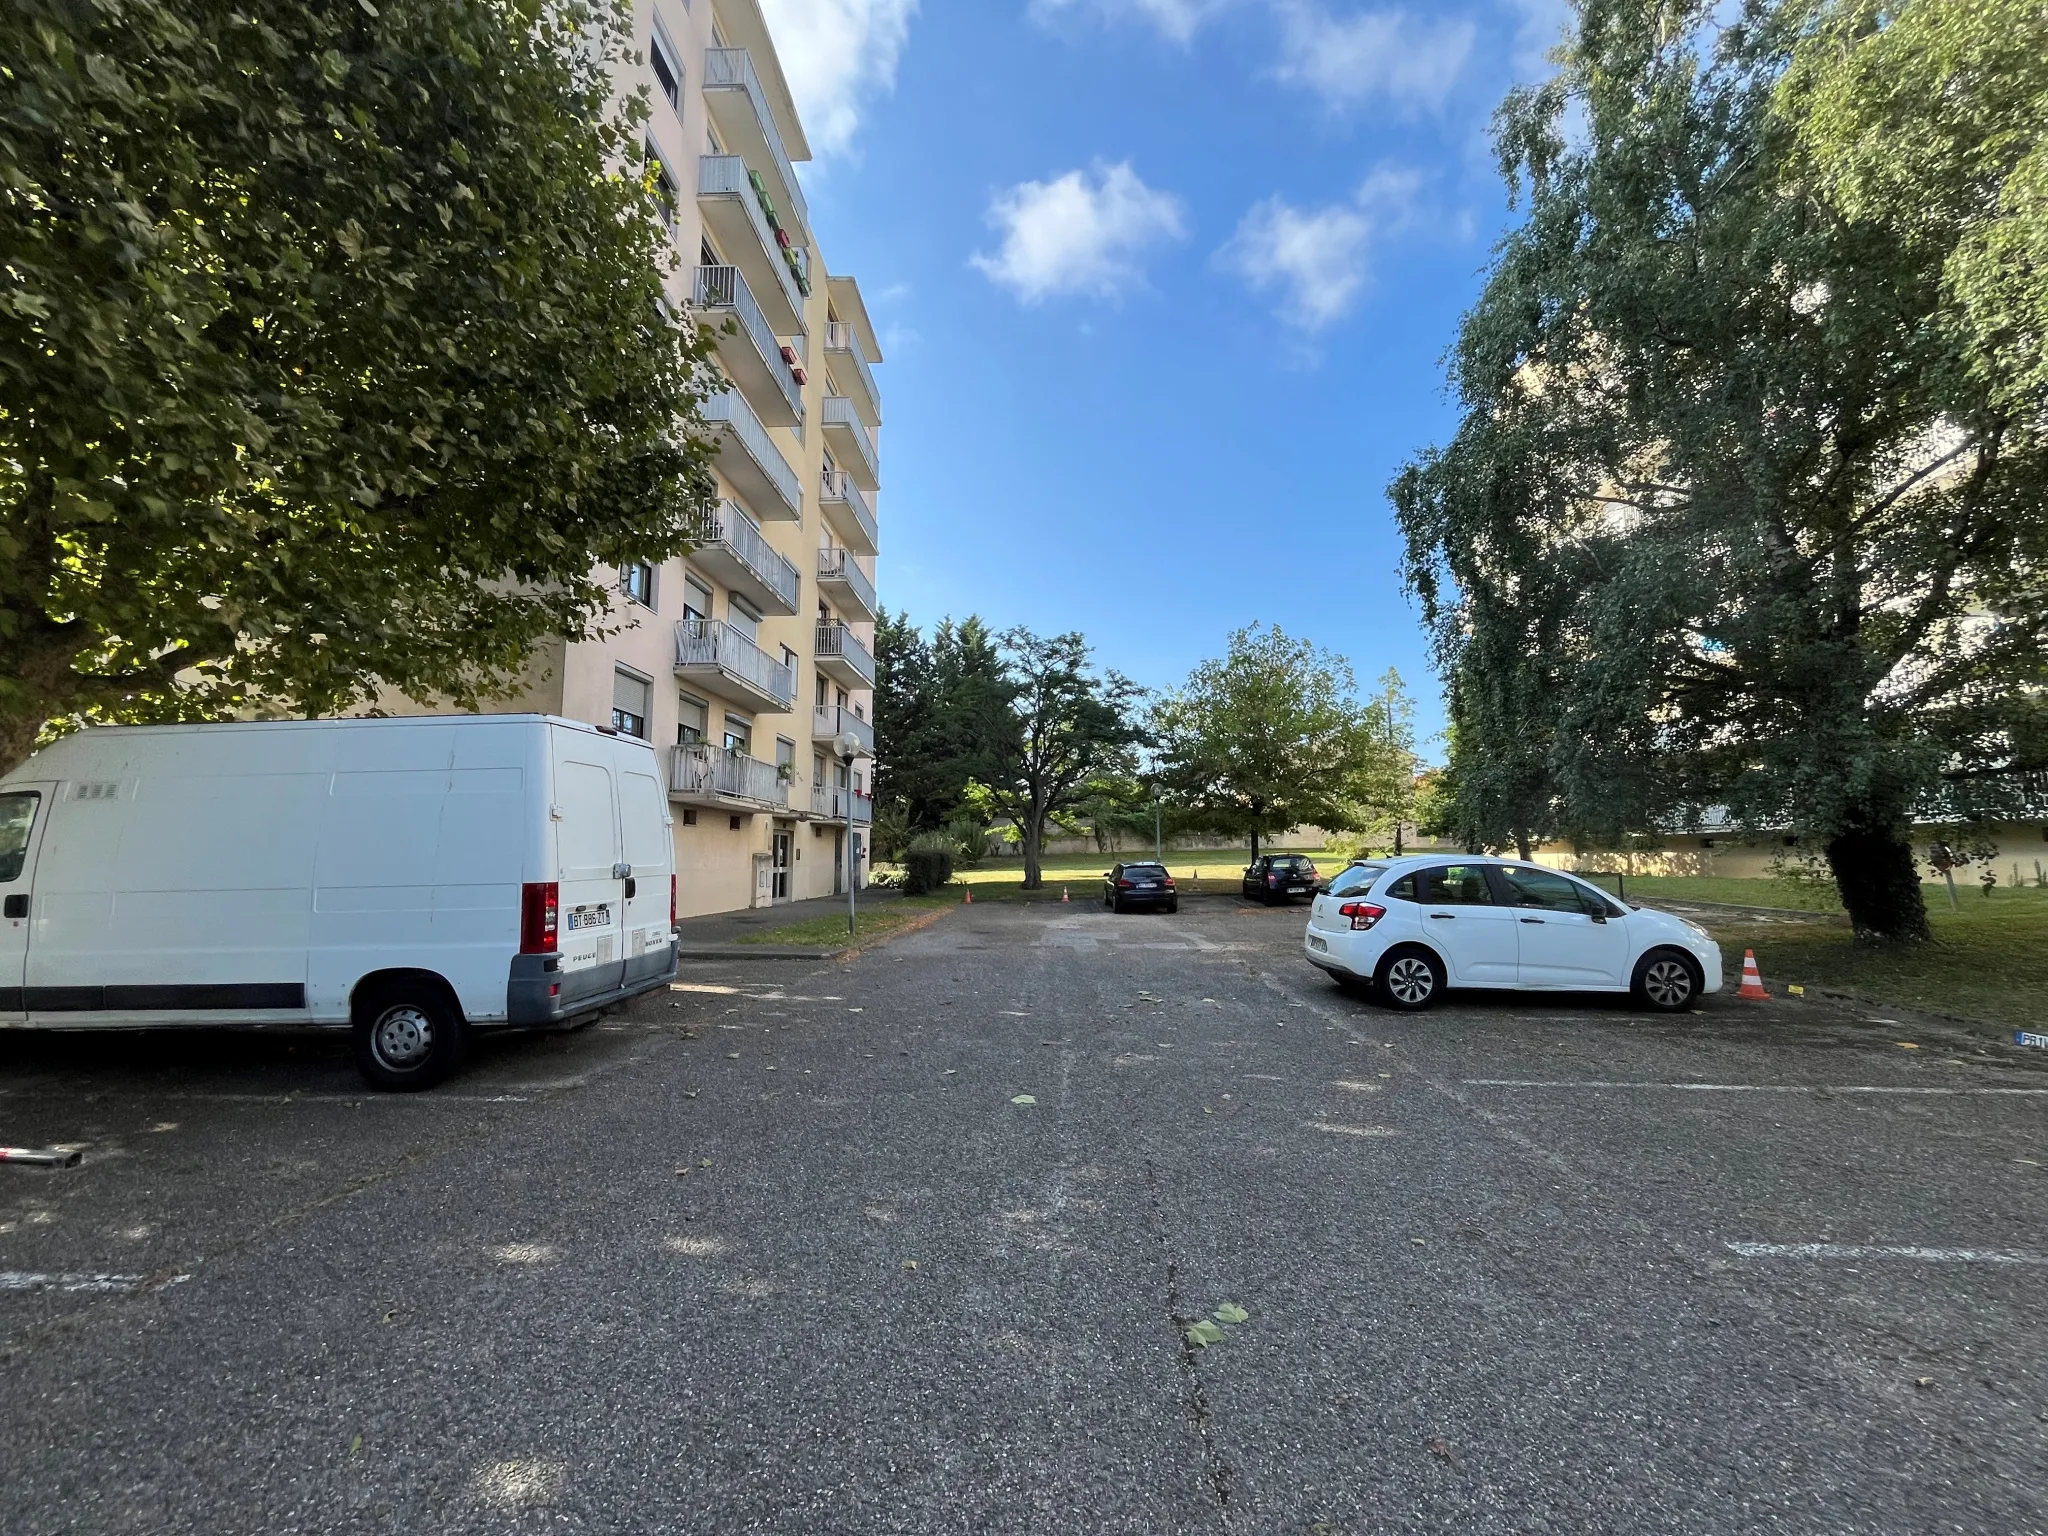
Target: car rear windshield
(1144,869)
(1357,879)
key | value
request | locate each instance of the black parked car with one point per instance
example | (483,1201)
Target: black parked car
(1279,877)
(1127,886)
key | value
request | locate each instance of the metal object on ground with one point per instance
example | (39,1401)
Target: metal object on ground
(40,1157)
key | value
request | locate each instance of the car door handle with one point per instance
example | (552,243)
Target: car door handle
(1442,917)
(1536,920)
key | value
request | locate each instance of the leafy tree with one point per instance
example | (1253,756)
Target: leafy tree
(1735,514)
(1268,738)
(331,351)
(1072,726)
(942,718)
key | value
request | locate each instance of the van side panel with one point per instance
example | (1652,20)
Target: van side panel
(586,823)
(649,846)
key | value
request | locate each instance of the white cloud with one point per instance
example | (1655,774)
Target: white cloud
(1389,54)
(837,56)
(1078,234)
(1177,19)
(1320,258)
(1544,25)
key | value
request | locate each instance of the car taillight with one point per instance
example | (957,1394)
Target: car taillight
(1169,883)
(540,918)
(1363,914)
(1272,879)
(671,901)
(1127,885)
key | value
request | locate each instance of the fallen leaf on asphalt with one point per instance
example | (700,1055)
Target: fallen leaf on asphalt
(691,1093)
(1205,1333)
(1024,1098)
(682,1173)
(355,1445)
(1207,1110)
(703,1162)
(732,1055)
(1924,1382)
(911,1265)
(1418,1242)
(774,1069)
(856,1010)
(1438,1448)
(1231,1312)
(1907,1045)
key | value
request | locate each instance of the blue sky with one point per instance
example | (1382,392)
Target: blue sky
(1164,288)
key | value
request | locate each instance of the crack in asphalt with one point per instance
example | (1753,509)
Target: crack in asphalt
(1220,1476)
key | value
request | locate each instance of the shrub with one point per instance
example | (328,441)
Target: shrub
(926,869)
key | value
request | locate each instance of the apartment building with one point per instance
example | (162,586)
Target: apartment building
(747,660)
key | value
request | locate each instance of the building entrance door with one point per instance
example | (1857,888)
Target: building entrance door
(839,862)
(780,858)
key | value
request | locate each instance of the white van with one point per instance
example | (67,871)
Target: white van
(411,878)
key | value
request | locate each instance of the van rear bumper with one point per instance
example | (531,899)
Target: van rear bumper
(540,994)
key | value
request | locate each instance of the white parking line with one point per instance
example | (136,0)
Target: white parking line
(1865,1251)
(20,1280)
(1507,1082)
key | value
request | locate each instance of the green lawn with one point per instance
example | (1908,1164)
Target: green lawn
(876,919)
(1988,961)
(1794,895)
(1208,870)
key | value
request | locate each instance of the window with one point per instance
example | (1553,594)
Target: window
(789,660)
(785,753)
(739,734)
(630,697)
(696,599)
(692,715)
(1455,885)
(1540,888)
(667,73)
(17,817)
(742,617)
(637,581)
(689,818)
(666,187)
(1358,879)
(1403,888)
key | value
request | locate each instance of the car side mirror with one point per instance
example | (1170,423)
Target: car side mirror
(1599,917)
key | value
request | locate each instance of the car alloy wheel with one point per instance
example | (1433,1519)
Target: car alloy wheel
(402,1037)
(1667,983)
(1410,980)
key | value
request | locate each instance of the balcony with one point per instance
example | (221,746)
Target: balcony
(846,584)
(843,658)
(850,442)
(847,512)
(727,663)
(751,461)
(739,106)
(701,774)
(747,346)
(727,547)
(849,370)
(829,803)
(829,723)
(732,212)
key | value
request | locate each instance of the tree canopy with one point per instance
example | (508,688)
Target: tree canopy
(332,351)
(1273,736)
(943,721)
(1745,504)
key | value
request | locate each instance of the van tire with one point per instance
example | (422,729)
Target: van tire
(408,1035)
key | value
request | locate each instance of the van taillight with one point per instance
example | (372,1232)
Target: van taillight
(540,918)
(671,901)
(1363,914)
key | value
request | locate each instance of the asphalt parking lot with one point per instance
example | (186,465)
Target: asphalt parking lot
(782,1251)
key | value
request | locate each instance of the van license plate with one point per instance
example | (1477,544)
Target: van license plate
(583,918)
(1316,943)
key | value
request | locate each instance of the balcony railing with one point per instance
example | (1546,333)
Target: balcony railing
(840,416)
(725,176)
(836,640)
(729,409)
(843,498)
(700,771)
(837,565)
(725,527)
(843,341)
(730,69)
(724,289)
(713,643)
(829,722)
(832,802)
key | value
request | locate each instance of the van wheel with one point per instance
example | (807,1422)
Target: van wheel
(1667,981)
(406,1038)
(1409,979)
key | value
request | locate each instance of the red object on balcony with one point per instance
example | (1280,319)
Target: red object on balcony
(782,239)
(789,354)
(800,376)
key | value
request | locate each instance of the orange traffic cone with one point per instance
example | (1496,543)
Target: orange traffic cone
(1065,899)
(968,899)
(1752,983)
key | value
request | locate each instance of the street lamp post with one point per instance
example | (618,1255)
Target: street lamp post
(848,747)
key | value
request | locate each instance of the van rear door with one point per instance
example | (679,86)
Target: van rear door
(650,850)
(24,808)
(590,870)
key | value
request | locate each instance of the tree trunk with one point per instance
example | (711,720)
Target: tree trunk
(1522,843)
(1255,845)
(1879,885)
(1034,837)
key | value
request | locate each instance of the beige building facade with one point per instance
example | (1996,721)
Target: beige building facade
(744,662)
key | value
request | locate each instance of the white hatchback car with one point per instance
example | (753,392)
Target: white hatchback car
(1409,928)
